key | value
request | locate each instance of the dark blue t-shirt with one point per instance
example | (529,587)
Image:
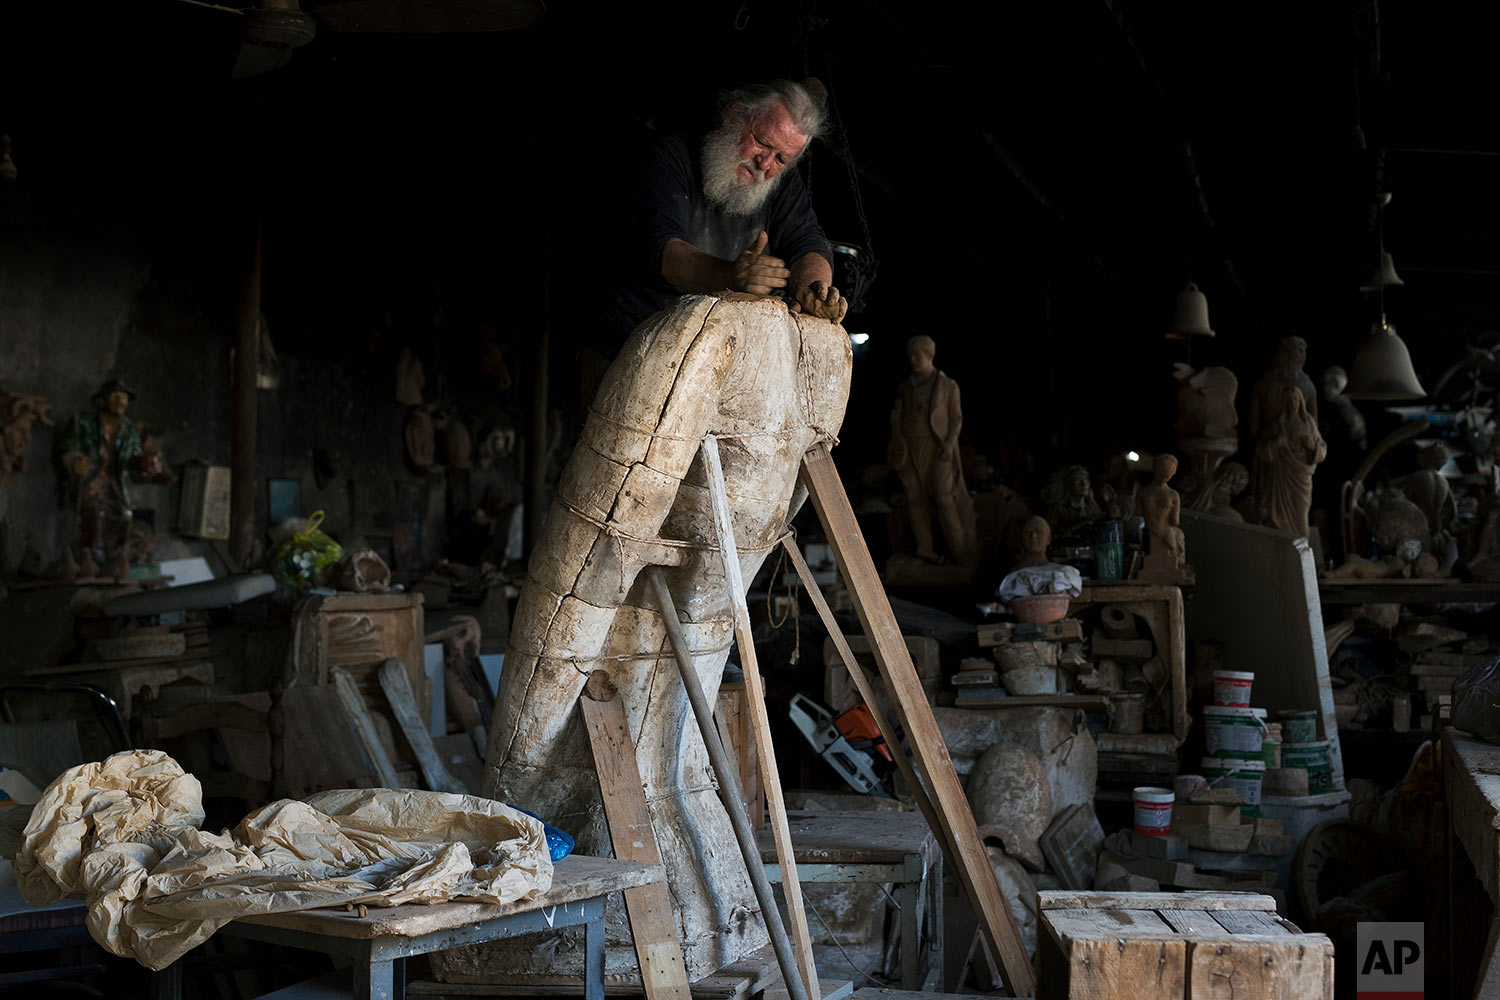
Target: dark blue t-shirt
(670,203)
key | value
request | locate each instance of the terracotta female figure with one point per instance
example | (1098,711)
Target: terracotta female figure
(1161,506)
(1285,459)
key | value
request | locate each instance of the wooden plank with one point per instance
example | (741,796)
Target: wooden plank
(393,681)
(1068,899)
(1290,967)
(755,706)
(1193,923)
(1001,633)
(853,838)
(734,732)
(1251,922)
(574,878)
(929,752)
(352,703)
(648,907)
(1083,701)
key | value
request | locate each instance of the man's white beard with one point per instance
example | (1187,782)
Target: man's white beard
(721,175)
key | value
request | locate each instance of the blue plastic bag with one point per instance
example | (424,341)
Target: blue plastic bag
(559,844)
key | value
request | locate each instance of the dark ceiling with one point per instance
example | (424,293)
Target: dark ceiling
(1038,180)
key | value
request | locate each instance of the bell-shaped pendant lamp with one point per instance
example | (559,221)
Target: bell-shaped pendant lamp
(1384,274)
(1382,368)
(1190,317)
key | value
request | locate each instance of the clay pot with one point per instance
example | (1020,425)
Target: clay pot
(1040,609)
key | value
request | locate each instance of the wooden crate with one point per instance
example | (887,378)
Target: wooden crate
(1176,946)
(358,632)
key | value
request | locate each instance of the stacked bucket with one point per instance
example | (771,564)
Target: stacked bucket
(1235,739)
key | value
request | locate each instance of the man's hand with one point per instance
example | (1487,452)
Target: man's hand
(757,272)
(822,301)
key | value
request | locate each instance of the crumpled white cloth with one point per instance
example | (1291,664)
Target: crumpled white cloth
(1048,578)
(123,834)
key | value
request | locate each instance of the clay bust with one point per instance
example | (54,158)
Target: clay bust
(1206,422)
(1161,507)
(925,423)
(1036,534)
(1289,450)
(632,495)
(1229,482)
(1344,422)
(1069,497)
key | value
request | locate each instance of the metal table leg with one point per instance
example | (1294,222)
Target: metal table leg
(167,984)
(593,942)
(911,958)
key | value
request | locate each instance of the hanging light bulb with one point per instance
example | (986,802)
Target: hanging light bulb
(1382,368)
(1190,317)
(1383,275)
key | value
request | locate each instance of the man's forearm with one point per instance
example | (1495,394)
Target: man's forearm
(689,269)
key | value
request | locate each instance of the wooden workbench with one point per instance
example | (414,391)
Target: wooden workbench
(381,941)
(874,847)
(1471,784)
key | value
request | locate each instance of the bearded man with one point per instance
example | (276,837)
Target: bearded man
(725,213)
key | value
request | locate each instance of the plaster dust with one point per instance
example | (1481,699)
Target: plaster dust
(769,384)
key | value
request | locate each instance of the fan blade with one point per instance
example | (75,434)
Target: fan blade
(427,16)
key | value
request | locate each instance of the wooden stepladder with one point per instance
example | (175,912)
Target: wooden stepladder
(929,772)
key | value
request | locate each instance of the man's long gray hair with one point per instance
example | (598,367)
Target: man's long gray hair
(745,103)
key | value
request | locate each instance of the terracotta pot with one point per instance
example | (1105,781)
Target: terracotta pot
(1040,609)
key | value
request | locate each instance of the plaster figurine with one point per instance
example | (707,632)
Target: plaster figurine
(1206,427)
(925,423)
(100,449)
(1069,497)
(633,494)
(1229,482)
(1036,533)
(1289,449)
(1344,423)
(1267,397)
(18,412)
(1161,506)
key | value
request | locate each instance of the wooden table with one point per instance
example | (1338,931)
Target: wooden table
(381,942)
(878,847)
(1471,783)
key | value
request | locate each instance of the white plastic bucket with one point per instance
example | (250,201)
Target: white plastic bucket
(1232,688)
(1234,732)
(1242,775)
(1315,757)
(1153,811)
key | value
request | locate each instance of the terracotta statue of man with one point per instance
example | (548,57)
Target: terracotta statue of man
(1161,506)
(1036,533)
(100,448)
(1288,452)
(924,452)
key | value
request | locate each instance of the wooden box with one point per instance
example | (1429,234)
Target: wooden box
(203,511)
(1176,946)
(359,632)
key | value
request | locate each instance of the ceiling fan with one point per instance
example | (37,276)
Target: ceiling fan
(271,29)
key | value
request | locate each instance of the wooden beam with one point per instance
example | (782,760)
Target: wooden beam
(760,722)
(648,907)
(960,836)
(397,689)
